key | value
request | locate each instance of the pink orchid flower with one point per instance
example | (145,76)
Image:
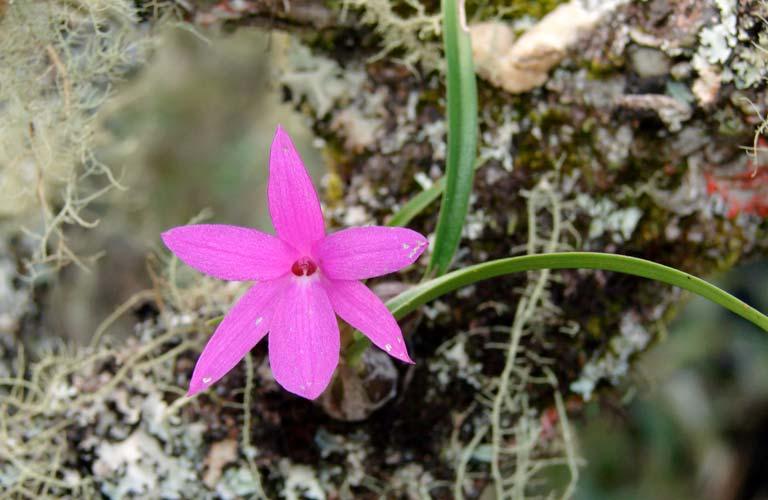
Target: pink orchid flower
(302,277)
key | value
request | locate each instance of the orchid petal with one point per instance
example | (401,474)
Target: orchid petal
(304,339)
(364,252)
(242,328)
(293,202)
(230,252)
(361,308)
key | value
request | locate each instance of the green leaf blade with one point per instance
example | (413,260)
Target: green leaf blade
(429,290)
(417,204)
(462,135)
(419,295)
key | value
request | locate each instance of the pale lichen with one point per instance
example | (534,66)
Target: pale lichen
(455,362)
(613,365)
(318,80)
(58,66)
(411,38)
(607,217)
(732,50)
(300,482)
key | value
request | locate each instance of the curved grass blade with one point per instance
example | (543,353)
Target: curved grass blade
(423,293)
(462,135)
(419,295)
(417,204)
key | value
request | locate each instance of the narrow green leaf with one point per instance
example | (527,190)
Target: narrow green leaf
(429,290)
(419,295)
(462,135)
(417,204)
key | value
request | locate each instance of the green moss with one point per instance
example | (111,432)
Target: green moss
(594,326)
(514,9)
(731,123)
(601,69)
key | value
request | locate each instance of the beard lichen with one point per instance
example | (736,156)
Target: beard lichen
(110,418)
(59,64)
(513,441)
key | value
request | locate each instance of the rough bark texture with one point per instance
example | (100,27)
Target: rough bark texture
(633,144)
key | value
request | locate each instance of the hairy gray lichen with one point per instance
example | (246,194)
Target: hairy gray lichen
(137,444)
(54,82)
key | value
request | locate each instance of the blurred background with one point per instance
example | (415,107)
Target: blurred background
(695,423)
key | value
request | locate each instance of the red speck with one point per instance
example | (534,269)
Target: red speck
(743,193)
(711,183)
(549,419)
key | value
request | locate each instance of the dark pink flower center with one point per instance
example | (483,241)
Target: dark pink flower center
(304,267)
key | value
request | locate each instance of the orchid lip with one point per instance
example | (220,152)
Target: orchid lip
(304,267)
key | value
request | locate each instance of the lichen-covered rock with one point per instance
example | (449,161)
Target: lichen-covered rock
(630,142)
